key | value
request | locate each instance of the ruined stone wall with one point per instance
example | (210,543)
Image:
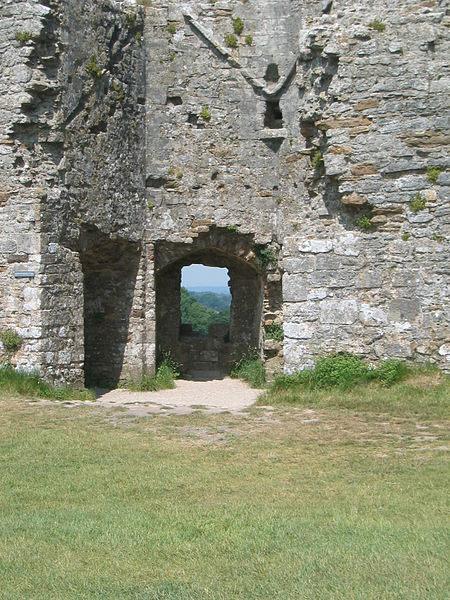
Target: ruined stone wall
(375,101)
(124,129)
(72,117)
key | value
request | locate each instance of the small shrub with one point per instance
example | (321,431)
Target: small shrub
(391,371)
(364,223)
(171,29)
(11,341)
(179,175)
(238,25)
(249,40)
(232,228)
(275,332)
(231,40)
(406,236)
(138,37)
(341,370)
(433,174)
(22,36)
(377,25)
(205,113)
(145,3)
(317,160)
(171,171)
(93,68)
(249,368)
(264,254)
(418,202)
(150,205)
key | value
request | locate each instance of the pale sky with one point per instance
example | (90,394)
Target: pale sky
(201,276)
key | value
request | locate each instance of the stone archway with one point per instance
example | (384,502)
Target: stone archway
(222,346)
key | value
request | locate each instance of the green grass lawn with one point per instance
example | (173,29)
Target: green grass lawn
(298,502)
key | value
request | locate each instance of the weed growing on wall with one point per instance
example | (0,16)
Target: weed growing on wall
(238,26)
(22,36)
(418,202)
(167,372)
(377,25)
(205,113)
(249,40)
(317,160)
(343,371)
(231,40)
(433,174)
(264,254)
(364,223)
(274,332)
(93,68)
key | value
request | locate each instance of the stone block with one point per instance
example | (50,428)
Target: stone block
(339,312)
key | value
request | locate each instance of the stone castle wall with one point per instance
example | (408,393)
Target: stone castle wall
(129,131)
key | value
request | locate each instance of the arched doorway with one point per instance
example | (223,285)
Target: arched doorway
(216,351)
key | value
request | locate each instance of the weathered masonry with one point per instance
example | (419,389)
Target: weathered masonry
(302,144)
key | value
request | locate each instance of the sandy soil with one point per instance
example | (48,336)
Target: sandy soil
(213,395)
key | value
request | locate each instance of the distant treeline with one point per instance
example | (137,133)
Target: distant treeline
(201,309)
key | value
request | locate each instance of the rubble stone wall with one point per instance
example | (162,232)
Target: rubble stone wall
(322,137)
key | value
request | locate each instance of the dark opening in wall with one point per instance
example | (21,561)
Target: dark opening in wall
(272,75)
(273,119)
(109,269)
(175,100)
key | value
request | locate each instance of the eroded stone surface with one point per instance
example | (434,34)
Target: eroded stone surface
(126,129)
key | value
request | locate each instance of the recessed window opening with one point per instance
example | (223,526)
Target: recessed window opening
(205,301)
(273,119)
(272,75)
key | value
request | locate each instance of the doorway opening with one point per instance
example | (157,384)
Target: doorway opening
(109,272)
(213,346)
(205,301)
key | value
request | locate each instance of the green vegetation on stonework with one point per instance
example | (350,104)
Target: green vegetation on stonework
(433,173)
(317,160)
(274,331)
(377,25)
(249,368)
(203,309)
(166,374)
(205,113)
(249,40)
(364,223)
(344,371)
(30,385)
(238,25)
(171,29)
(93,68)
(22,36)
(231,40)
(264,254)
(418,202)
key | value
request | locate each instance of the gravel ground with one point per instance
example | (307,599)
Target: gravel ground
(212,395)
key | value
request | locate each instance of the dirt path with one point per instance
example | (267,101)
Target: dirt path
(213,396)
